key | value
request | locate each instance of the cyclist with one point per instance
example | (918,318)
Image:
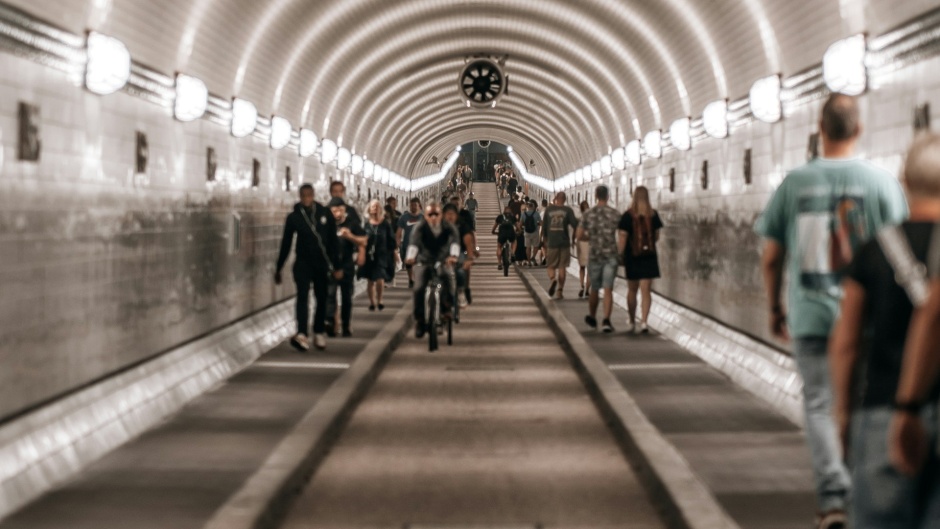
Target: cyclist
(433,241)
(505,230)
(465,261)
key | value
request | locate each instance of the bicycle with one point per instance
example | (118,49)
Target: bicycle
(507,249)
(432,310)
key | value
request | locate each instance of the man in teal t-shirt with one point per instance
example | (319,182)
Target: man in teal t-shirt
(818,217)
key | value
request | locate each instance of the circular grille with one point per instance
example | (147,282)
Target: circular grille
(482,83)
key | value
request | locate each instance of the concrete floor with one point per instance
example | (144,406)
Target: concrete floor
(495,431)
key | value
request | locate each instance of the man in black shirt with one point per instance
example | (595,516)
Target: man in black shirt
(352,242)
(513,185)
(316,250)
(433,242)
(338,190)
(505,230)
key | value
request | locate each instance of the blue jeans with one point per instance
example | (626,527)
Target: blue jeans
(881,497)
(603,273)
(829,472)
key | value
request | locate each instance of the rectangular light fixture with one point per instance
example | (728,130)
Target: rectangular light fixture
(844,67)
(680,134)
(653,144)
(765,99)
(328,151)
(280,132)
(244,117)
(109,64)
(308,143)
(715,119)
(633,155)
(192,98)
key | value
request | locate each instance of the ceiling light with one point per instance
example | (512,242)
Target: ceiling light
(368,168)
(343,158)
(633,153)
(715,119)
(579,176)
(844,66)
(356,165)
(653,144)
(280,132)
(619,159)
(109,64)
(607,165)
(192,98)
(308,143)
(680,134)
(596,170)
(328,151)
(765,99)
(385,175)
(244,118)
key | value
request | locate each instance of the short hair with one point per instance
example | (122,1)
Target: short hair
(390,199)
(455,199)
(449,207)
(338,183)
(306,186)
(561,196)
(414,199)
(840,117)
(544,201)
(602,193)
(922,167)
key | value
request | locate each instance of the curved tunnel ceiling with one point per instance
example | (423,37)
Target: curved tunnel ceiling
(380,76)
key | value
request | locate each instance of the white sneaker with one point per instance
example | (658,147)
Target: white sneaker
(644,328)
(300,342)
(631,327)
(319,341)
(462,300)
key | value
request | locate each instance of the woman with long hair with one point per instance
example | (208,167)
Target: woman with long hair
(584,249)
(380,250)
(638,233)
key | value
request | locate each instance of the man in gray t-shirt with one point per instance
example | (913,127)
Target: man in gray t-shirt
(558,219)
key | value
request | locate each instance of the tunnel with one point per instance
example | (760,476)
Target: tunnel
(152,150)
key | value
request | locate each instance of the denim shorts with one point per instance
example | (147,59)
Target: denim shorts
(603,272)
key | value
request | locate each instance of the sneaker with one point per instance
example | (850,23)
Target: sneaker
(631,326)
(411,284)
(551,289)
(591,321)
(644,328)
(319,341)
(560,294)
(581,293)
(381,307)
(499,267)
(347,333)
(834,519)
(330,328)
(608,328)
(371,308)
(462,300)
(469,297)
(420,329)
(300,342)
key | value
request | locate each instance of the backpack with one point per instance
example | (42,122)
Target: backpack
(529,222)
(507,226)
(644,243)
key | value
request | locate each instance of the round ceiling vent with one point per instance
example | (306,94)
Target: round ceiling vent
(484,143)
(482,83)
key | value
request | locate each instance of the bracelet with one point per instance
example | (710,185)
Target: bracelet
(910,407)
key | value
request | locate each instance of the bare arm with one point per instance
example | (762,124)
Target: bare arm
(398,235)
(621,241)
(579,234)
(843,354)
(772,266)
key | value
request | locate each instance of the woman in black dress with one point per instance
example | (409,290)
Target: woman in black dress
(638,232)
(380,250)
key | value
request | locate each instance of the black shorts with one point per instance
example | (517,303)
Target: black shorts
(502,238)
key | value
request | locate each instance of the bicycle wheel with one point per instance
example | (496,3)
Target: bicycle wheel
(450,332)
(506,250)
(433,320)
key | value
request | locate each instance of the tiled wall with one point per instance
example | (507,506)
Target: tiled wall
(709,255)
(100,267)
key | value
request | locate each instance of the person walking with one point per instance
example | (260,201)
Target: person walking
(316,251)
(872,329)
(816,220)
(558,219)
(391,217)
(381,253)
(352,241)
(531,223)
(406,224)
(638,234)
(599,229)
(583,252)
(472,206)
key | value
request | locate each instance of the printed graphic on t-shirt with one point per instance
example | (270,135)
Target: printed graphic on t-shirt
(831,229)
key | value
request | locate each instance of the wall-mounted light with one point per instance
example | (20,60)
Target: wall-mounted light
(653,144)
(619,159)
(280,132)
(715,119)
(765,99)
(356,165)
(385,175)
(308,143)
(328,151)
(633,155)
(607,165)
(596,170)
(244,117)
(368,168)
(844,66)
(579,176)
(377,173)
(192,98)
(109,64)
(680,134)
(343,158)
